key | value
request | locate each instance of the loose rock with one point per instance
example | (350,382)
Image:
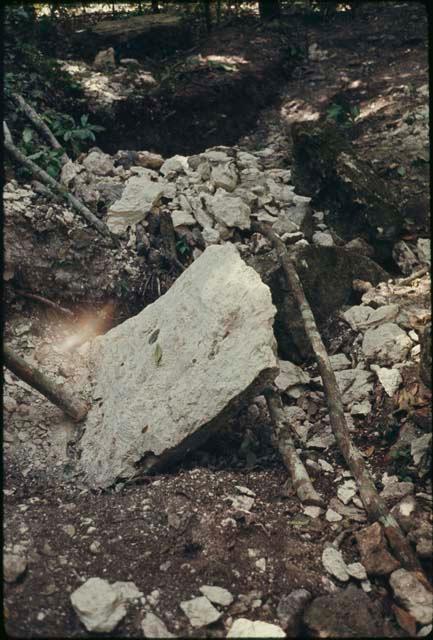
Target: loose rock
(412,595)
(98,605)
(200,611)
(198,345)
(243,628)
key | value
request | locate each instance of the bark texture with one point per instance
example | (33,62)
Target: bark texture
(75,408)
(300,478)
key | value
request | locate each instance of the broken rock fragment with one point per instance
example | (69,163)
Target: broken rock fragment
(412,595)
(165,379)
(200,611)
(243,628)
(98,605)
(138,198)
(375,557)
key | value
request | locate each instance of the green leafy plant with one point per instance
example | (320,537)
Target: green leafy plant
(45,157)
(182,247)
(74,135)
(343,115)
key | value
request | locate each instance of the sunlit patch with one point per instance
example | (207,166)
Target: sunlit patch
(226,59)
(87,327)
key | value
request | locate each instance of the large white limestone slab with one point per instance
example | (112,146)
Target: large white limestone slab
(165,379)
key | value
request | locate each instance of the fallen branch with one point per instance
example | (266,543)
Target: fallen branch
(373,503)
(39,124)
(76,409)
(300,479)
(58,189)
(413,276)
(46,302)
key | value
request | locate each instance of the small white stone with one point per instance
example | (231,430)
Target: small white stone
(200,611)
(312,512)
(243,628)
(98,605)
(217,595)
(333,516)
(328,468)
(357,570)
(333,562)
(261,564)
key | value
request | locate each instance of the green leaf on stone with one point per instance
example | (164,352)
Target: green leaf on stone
(157,355)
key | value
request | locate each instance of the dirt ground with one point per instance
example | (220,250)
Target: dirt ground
(179,530)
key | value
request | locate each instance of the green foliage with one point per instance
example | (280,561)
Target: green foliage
(66,130)
(45,157)
(75,136)
(342,114)
(183,247)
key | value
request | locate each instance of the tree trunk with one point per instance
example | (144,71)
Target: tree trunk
(75,408)
(269,9)
(155,8)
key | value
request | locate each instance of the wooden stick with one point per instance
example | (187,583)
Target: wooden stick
(373,503)
(58,189)
(299,475)
(46,302)
(39,124)
(76,409)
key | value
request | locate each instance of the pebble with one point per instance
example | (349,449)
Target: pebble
(154,627)
(14,566)
(333,516)
(98,605)
(217,595)
(357,570)
(243,628)
(95,547)
(200,611)
(312,512)
(334,564)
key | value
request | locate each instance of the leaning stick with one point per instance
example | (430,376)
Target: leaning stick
(57,188)
(373,503)
(39,125)
(76,409)
(299,475)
